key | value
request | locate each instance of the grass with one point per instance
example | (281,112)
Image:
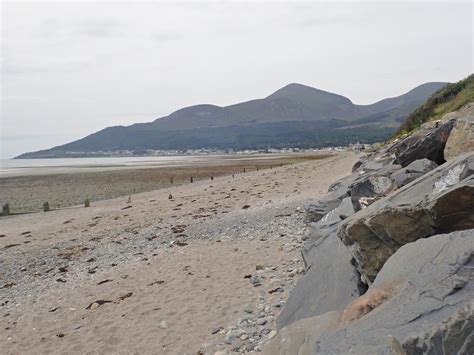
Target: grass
(449,98)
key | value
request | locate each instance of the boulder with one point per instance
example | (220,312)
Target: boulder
(411,172)
(461,139)
(420,303)
(300,336)
(426,142)
(368,188)
(314,211)
(330,281)
(439,201)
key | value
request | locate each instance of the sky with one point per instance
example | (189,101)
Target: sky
(69,69)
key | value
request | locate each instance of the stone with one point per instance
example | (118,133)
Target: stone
(229,338)
(441,200)
(299,337)
(461,138)
(426,142)
(316,210)
(412,172)
(330,281)
(255,280)
(372,186)
(163,324)
(427,308)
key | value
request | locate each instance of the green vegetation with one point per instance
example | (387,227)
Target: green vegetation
(449,98)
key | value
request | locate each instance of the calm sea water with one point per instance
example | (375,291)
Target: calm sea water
(12,167)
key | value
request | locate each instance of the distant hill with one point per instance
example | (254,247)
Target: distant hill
(295,115)
(450,97)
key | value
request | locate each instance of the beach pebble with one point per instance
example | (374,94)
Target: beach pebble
(272,334)
(255,280)
(229,338)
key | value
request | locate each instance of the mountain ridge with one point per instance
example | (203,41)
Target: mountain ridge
(228,127)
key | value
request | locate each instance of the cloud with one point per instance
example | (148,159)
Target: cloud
(10,68)
(161,37)
(99,27)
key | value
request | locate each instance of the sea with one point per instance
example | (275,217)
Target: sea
(25,167)
(20,167)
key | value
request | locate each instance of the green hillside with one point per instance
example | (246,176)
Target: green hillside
(449,98)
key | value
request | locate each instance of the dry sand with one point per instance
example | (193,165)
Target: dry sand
(160,275)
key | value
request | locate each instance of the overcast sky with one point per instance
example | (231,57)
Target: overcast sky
(70,69)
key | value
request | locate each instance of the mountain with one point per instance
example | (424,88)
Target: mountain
(295,115)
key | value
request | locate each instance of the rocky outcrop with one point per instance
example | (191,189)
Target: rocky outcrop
(420,302)
(411,172)
(329,283)
(434,285)
(330,280)
(385,227)
(316,210)
(300,337)
(461,139)
(427,142)
(440,201)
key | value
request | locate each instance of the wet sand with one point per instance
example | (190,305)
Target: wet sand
(67,186)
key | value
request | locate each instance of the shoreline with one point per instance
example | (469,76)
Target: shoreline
(63,188)
(161,275)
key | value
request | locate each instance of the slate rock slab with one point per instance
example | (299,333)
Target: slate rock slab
(439,201)
(429,309)
(426,142)
(329,283)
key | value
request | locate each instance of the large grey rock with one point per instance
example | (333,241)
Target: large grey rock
(330,281)
(365,190)
(439,201)
(412,172)
(299,338)
(420,303)
(461,138)
(314,211)
(426,142)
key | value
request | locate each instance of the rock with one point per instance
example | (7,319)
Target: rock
(461,138)
(163,324)
(330,281)
(299,337)
(216,330)
(261,321)
(371,186)
(316,210)
(255,280)
(441,200)
(426,142)
(412,172)
(453,335)
(344,209)
(272,334)
(229,338)
(259,266)
(429,306)
(244,337)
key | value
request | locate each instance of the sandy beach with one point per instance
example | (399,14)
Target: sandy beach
(26,189)
(190,269)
